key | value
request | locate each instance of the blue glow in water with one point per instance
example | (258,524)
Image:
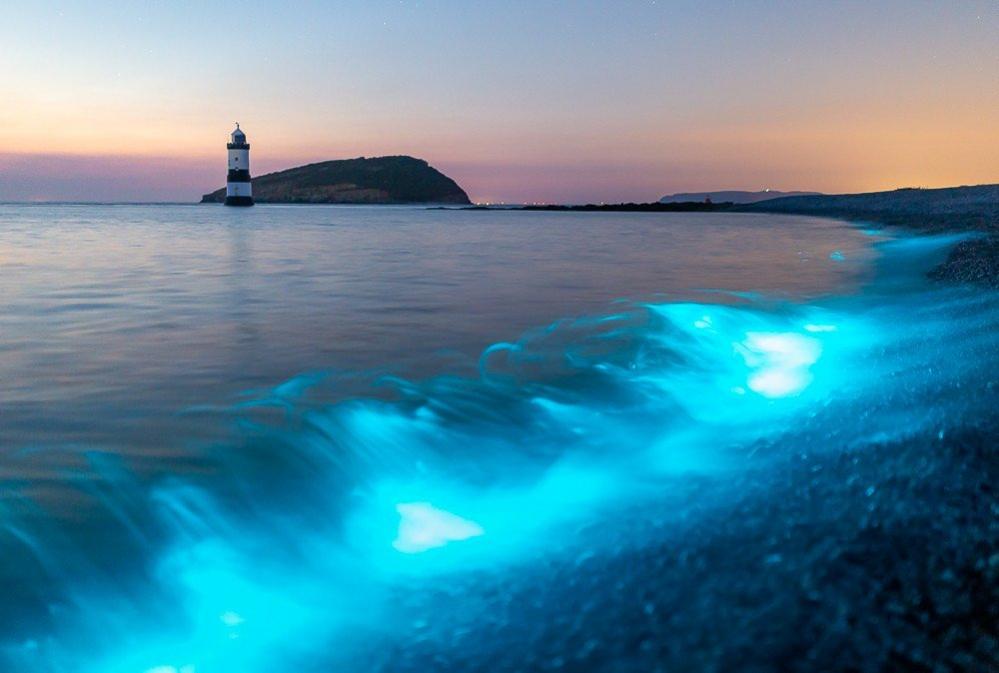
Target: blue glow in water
(422,526)
(779,362)
(370,511)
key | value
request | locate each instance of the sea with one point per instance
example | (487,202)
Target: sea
(400,438)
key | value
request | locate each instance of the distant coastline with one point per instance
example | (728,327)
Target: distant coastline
(949,208)
(957,209)
(731,196)
(687,207)
(968,208)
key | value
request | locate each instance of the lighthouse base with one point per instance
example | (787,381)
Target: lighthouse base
(239,200)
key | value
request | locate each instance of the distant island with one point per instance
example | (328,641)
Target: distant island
(730,196)
(395,179)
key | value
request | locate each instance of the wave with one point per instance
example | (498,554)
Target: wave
(389,527)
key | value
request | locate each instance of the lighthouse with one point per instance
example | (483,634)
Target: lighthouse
(238,191)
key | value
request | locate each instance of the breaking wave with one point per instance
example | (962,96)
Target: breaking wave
(326,534)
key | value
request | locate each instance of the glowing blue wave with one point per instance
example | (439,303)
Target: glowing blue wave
(301,557)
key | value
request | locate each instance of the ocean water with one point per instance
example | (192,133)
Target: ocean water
(360,438)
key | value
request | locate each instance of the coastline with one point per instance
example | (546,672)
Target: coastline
(967,209)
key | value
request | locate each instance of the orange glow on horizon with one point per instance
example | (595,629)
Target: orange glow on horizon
(806,97)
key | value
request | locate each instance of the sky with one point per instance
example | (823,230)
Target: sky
(519,101)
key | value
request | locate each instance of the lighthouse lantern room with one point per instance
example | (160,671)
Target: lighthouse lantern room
(238,190)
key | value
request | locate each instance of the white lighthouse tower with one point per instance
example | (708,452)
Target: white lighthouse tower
(238,191)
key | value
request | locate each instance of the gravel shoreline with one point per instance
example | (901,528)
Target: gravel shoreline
(949,210)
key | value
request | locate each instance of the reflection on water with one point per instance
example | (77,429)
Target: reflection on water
(121,316)
(310,439)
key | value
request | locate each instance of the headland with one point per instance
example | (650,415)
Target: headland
(383,180)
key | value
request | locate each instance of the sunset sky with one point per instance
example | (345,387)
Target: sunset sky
(518,101)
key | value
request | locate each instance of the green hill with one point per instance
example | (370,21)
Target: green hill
(397,179)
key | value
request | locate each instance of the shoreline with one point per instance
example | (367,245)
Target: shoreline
(969,209)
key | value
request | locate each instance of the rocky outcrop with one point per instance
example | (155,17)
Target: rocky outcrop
(396,179)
